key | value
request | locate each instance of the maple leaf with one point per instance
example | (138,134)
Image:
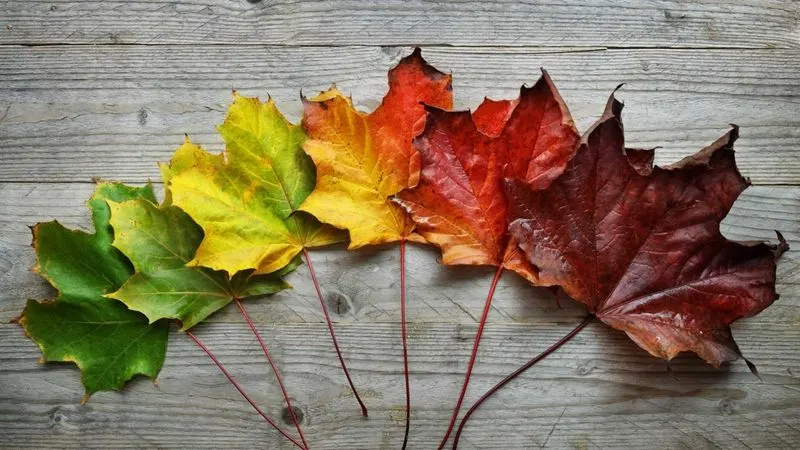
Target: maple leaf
(459,204)
(107,341)
(160,241)
(363,159)
(246,200)
(640,245)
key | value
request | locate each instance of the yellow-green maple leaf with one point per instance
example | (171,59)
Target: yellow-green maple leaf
(246,199)
(159,241)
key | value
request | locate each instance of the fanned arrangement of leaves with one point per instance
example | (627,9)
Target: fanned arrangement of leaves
(511,185)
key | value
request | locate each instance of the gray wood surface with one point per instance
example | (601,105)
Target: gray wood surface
(106,89)
(618,23)
(115,110)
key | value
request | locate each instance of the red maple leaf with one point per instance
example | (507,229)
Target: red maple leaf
(459,204)
(640,245)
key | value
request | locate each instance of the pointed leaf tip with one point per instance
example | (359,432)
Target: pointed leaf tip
(752,368)
(782,246)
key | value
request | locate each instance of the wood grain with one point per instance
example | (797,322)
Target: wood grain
(599,391)
(70,113)
(741,23)
(362,286)
(106,89)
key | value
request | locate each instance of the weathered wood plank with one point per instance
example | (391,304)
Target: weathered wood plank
(362,286)
(743,23)
(598,391)
(70,113)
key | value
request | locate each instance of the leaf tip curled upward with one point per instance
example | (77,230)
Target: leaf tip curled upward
(782,246)
(613,111)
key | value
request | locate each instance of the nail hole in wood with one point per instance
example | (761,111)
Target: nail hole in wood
(727,407)
(143,115)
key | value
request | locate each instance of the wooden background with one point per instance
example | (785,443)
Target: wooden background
(107,88)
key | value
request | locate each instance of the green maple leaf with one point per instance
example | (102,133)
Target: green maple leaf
(160,241)
(107,341)
(247,200)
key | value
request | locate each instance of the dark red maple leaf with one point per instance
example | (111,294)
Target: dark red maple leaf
(640,245)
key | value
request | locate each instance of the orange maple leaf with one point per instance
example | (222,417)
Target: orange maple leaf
(364,159)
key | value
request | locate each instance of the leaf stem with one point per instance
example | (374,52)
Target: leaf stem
(332,333)
(516,373)
(403,332)
(241,391)
(274,369)
(474,354)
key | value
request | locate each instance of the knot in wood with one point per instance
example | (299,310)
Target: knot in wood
(286,416)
